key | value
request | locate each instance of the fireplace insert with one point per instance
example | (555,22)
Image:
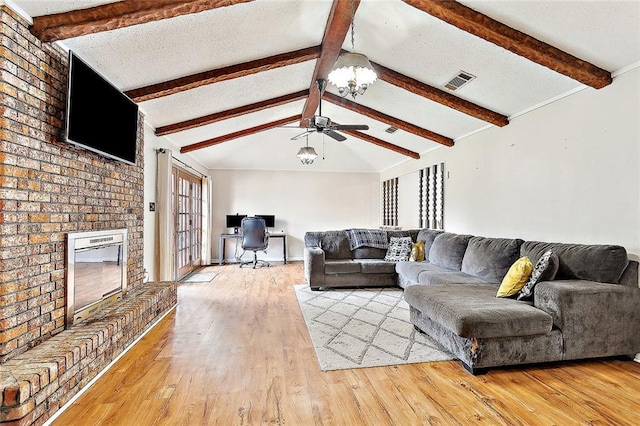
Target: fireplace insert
(96,272)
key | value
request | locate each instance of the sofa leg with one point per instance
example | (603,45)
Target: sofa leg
(315,288)
(474,371)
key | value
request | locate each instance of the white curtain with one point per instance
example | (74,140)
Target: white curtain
(207,209)
(166,269)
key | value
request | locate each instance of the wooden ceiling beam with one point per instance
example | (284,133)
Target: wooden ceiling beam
(121,14)
(392,121)
(231,113)
(439,96)
(334,35)
(381,143)
(515,41)
(238,134)
(177,85)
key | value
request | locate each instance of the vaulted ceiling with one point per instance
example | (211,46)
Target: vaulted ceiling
(219,78)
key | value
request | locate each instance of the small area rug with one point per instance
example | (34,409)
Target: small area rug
(203,277)
(356,328)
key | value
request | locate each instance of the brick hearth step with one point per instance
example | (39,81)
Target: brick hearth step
(36,383)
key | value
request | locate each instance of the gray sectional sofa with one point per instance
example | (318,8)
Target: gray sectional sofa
(590,309)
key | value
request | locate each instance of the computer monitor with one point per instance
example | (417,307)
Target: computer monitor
(269,219)
(235,221)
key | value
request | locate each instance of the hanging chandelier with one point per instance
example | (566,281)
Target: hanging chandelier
(307,154)
(352,73)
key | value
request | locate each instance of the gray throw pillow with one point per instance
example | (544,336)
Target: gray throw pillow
(399,249)
(545,270)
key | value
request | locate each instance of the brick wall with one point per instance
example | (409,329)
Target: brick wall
(49,188)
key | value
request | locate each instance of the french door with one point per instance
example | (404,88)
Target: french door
(187,200)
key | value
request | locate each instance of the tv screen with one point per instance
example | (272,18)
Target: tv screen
(269,219)
(99,117)
(235,220)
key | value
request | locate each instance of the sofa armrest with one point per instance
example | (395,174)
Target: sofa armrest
(314,266)
(596,319)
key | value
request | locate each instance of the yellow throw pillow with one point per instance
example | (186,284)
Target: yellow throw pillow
(516,278)
(417,252)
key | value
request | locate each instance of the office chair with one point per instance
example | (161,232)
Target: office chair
(254,238)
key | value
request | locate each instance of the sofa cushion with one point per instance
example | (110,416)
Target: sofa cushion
(452,277)
(341,267)
(374,266)
(448,250)
(473,311)
(516,278)
(545,270)
(399,249)
(601,263)
(335,245)
(369,253)
(490,258)
(427,235)
(411,270)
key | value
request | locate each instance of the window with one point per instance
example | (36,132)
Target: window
(390,202)
(432,197)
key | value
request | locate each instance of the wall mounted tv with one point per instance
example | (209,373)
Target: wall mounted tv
(99,117)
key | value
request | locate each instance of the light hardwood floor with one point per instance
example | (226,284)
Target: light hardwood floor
(236,351)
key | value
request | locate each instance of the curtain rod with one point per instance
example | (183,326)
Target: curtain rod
(162,150)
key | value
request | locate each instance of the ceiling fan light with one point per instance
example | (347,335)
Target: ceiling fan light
(307,154)
(352,74)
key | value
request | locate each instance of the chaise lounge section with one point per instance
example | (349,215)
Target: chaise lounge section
(589,309)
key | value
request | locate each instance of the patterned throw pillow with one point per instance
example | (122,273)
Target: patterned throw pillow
(399,249)
(545,270)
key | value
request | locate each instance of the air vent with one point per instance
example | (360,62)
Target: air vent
(459,80)
(391,129)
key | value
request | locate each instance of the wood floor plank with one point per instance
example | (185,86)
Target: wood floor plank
(236,351)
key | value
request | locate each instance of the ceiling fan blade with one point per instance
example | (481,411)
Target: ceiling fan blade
(302,134)
(335,135)
(351,127)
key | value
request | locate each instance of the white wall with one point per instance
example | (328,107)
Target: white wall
(408,188)
(301,201)
(566,172)
(151,144)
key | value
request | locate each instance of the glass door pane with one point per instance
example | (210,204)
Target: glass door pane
(188,225)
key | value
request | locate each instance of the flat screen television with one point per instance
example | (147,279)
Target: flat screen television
(269,219)
(99,117)
(235,220)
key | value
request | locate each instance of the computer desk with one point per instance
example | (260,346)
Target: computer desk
(223,237)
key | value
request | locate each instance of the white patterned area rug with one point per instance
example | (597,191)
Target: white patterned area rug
(356,328)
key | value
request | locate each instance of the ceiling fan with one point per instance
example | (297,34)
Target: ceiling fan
(319,123)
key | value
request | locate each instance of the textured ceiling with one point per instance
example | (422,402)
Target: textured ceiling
(390,32)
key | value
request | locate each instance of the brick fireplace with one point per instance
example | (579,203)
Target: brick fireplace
(49,188)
